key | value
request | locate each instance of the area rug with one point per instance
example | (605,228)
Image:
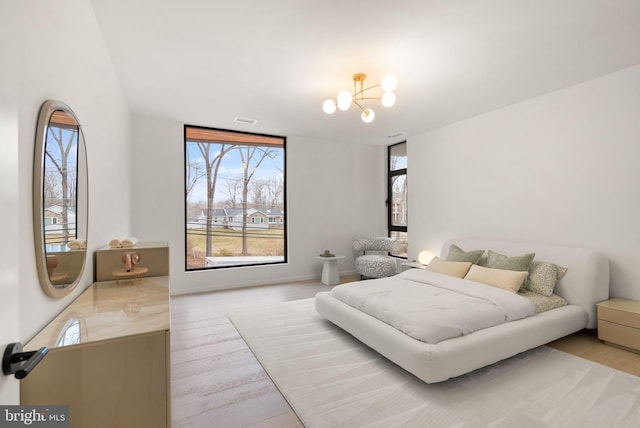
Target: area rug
(331,379)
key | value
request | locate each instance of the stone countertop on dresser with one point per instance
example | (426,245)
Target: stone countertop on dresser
(107,310)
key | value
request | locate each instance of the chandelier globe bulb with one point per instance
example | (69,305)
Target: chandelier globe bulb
(388,99)
(344,100)
(329,106)
(368,115)
(389,83)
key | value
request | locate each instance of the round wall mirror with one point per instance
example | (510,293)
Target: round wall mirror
(60,193)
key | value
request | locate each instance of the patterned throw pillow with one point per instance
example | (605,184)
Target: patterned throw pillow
(543,303)
(517,263)
(456,254)
(543,277)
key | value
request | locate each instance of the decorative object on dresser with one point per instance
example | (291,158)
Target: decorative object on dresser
(619,323)
(111,262)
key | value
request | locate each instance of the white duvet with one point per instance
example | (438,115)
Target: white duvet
(432,307)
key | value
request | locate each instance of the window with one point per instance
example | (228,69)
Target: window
(238,178)
(397,206)
(60,179)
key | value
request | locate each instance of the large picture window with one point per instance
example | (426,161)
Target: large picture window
(397,214)
(235,205)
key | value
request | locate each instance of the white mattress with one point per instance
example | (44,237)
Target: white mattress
(585,284)
(432,307)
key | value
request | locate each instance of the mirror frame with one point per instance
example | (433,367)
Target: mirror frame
(42,129)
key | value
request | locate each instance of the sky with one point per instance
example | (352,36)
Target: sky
(231,169)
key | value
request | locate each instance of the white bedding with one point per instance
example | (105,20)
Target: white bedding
(585,283)
(432,307)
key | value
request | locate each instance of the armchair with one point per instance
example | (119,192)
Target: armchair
(375,261)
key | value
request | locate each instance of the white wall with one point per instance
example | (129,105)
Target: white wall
(9,281)
(561,168)
(63,56)
(335,192)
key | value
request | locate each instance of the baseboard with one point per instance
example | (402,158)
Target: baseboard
(209,288)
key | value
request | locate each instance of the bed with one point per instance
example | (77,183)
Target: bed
(585,283)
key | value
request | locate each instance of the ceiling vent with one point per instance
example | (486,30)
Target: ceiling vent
(399,134)
(245,120)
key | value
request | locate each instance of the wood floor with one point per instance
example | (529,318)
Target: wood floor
(217,382)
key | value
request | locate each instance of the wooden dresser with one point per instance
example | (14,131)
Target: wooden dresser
(109,357)
(619,323)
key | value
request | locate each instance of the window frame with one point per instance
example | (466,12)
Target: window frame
(284,221)
(390,212)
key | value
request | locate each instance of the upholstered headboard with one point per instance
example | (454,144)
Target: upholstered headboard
(585,283)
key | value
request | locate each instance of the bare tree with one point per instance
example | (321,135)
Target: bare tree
(52,188)
(212,165)
(233,189)
(275,191)
(65,167)
(258,193)
(194,173)
(252,157)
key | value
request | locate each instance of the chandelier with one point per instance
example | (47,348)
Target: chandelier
(346,98)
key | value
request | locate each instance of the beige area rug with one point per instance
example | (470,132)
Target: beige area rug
(331,379)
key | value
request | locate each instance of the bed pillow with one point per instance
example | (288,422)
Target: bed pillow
(457,269)
(543,277)
(543,303)
(506,279)
(457,254)
(517,263)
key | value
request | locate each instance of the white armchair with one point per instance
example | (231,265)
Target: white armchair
(375,261)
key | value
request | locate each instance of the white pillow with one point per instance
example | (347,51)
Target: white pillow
(509,280)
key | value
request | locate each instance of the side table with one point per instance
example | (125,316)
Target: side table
(413,265)
(330,273)
(619,323)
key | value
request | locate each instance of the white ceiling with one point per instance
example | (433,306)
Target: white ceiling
(205,62)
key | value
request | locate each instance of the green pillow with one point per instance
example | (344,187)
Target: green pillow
(543,277)
(517,263)
(456,254)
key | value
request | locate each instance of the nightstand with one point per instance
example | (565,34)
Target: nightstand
(619,323)
(413,265)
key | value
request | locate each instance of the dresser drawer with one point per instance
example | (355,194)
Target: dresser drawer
(619,315)
(618,334)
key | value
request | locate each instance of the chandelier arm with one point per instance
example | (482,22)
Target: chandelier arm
(369,98)
(361,92)
(371,87)
(358,104)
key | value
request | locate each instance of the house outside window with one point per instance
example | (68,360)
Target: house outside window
(397,202)
(234,181)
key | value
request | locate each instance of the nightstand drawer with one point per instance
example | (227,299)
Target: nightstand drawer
(618,334)
(619,315)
